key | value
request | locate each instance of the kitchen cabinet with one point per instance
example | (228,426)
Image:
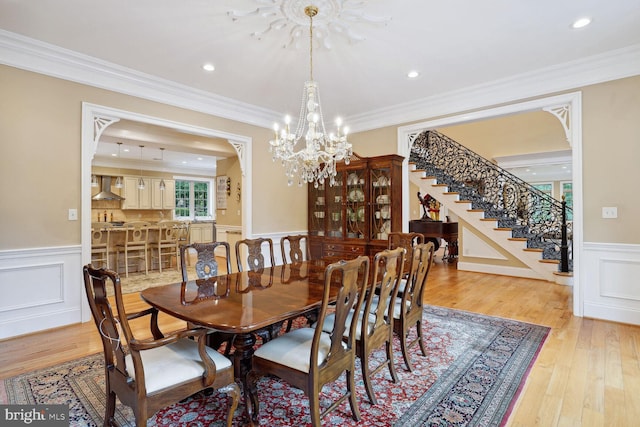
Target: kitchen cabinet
(135,198)
(201,232)
(355,216)
(163,199)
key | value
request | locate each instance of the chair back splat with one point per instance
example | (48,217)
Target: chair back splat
(254,258)
(292,250)
(137,373)
(308,358)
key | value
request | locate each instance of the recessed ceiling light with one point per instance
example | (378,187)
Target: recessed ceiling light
(208,67)
(184,162)
(581,22)
(199,158)
(413,74)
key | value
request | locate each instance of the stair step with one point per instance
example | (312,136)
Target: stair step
(562,273)
(488,219)
(475,210)
(450,193)
(518,239)
(503,229)
(549,261)
(439,185)
(463,201)
(533,249)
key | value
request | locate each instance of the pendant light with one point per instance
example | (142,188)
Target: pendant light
(140,180)
(163,186)
(118,183)
(94,181)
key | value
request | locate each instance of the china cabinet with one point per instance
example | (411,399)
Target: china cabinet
(355,216)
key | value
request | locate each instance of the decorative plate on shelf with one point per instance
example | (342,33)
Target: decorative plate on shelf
(356,195)
(386,227)
(361,213)
(385,212)
(352,179)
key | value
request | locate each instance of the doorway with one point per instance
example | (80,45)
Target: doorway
(96,118)
(568,109)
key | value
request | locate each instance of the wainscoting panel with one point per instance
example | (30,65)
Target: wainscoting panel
(610,282)
(41,289)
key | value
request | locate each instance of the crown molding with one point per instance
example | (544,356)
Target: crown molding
(612,65)
(33,55)
(43,58)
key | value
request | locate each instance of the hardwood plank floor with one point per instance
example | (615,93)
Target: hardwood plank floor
(587,374)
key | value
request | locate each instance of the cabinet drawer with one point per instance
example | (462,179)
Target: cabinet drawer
(344,248)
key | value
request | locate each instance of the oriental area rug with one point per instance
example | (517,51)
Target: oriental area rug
(475,368)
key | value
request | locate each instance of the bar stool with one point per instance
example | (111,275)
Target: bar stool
(100,238)
(135,246)
(168,243)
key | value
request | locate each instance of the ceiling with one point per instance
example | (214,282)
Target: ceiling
(362,49)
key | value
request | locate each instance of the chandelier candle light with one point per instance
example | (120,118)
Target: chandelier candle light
(316,162)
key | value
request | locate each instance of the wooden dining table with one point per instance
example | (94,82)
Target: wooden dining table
(244,303)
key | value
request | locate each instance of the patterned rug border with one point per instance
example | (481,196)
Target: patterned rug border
(476,384)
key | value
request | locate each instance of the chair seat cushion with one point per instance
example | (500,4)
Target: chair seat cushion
(293,349)
(327,326)
(174,363)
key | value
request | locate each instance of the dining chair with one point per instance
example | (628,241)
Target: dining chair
(135,246)
(398,239)
(375,328)
(309,358)
(206,267)
(149,374)
(100,241)
(253,250)
(293,250)
(167,245)
(408,308)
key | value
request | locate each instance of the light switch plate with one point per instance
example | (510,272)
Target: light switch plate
(610,212)
(73,214)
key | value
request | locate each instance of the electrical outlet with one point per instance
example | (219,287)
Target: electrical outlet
(73,214)
(610,212)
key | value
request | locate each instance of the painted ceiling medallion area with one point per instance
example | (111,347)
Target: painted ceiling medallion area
(335,17)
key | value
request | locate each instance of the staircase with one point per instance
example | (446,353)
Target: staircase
(519,218)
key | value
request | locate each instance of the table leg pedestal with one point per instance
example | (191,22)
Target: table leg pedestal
(243,345)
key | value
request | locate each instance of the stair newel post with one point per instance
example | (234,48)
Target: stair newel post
(564,247)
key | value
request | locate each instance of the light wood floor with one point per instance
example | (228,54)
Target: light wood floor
(587,374)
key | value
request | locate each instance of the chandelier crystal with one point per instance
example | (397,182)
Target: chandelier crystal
(316,162)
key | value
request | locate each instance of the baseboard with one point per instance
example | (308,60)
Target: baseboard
(500,270)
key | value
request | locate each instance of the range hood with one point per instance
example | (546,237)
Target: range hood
(105,193)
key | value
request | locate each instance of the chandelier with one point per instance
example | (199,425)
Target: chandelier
(316,161)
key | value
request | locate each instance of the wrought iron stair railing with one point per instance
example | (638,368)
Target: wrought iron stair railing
(529,212)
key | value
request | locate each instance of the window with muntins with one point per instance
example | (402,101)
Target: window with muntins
(193,199)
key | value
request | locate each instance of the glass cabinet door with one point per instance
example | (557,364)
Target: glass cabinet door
(355,206)
(317,208)
(335,203)
(380,204)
